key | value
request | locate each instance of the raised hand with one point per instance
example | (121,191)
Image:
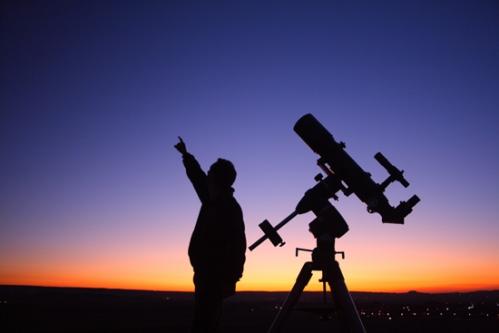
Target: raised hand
(180,146)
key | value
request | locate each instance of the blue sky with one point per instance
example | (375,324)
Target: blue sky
(95,94)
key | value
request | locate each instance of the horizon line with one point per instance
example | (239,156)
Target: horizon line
(249,291)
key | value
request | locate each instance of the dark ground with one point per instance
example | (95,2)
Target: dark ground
(39,309)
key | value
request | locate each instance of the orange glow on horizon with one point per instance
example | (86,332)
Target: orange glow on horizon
(394,263)
(270,275)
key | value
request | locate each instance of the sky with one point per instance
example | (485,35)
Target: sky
(94,95)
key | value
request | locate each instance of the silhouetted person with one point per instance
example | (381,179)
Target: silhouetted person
(218,244)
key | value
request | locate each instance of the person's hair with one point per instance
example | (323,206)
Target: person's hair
(223,172)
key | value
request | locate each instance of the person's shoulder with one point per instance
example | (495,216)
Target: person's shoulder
(232,207)
(235,203)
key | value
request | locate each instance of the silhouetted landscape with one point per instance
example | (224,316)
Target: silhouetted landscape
(44,309)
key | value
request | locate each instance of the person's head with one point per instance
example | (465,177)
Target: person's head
(221,175)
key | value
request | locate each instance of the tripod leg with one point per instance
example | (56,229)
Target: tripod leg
(301,282)
(342,298)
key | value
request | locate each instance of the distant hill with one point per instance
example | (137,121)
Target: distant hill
(29,292)
(360,294)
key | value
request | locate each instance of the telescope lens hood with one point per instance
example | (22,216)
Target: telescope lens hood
(316,136)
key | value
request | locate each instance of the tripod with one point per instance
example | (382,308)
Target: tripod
(323,260)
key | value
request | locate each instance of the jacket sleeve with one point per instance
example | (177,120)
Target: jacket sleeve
(197,176)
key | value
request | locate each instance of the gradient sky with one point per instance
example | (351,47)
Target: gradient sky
(94,94)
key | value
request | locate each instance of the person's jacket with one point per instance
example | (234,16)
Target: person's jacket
(218,243)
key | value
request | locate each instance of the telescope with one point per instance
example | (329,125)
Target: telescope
(342,174)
